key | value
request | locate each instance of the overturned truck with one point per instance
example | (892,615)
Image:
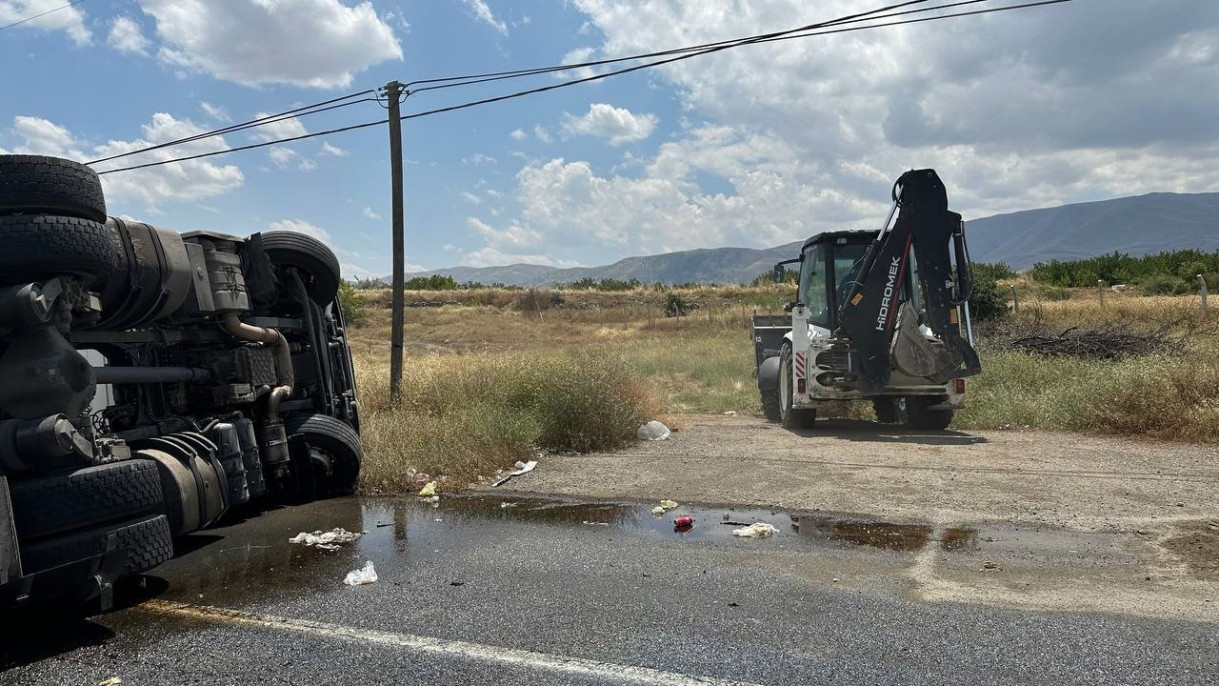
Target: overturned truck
(880,316)
(152,381)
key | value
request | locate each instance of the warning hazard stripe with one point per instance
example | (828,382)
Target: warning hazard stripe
(799,362)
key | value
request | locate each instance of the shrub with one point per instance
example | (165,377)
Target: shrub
(987,302)
(351,302)
(538,300)
(676,306)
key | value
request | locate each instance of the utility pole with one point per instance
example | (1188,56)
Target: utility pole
(393,90)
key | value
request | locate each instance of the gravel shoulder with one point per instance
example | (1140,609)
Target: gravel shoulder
(1069,481)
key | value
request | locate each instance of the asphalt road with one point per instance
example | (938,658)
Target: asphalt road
(474,593)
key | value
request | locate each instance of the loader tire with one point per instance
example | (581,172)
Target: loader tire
(146,541)
(770,405)
(919,416)
(85,498)
(887,410)
(791,417)
(44,246)
(37,184)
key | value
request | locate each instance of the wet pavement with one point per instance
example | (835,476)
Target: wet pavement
(506,590)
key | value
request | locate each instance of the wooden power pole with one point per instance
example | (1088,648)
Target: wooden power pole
(393,91)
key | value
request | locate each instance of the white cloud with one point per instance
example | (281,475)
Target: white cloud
(334,150)
(577,56)
(314,43)
(479,160)
(471,198)
(301,226)
(618,124)
(541,133)
(482,12)
(370,214)
(278,129)
(126,36)
(70,20)
(518,135)
(188,181)
(287,157)
(215,112)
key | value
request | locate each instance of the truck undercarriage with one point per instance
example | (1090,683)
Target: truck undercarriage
(151,382)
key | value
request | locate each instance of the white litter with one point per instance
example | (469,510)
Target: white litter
(756,530)
(325,540)
(668,505)
(364,575)
(658,511)
(730,413)
(428,490)
(653,431)
(588,523)
(504,506)
(521,468)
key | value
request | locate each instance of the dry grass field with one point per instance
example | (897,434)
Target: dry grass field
(493,374)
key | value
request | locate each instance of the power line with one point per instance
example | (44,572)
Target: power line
(679,58)
(315,108)
(245,147)
(42,14)
(453,81)
(596,77)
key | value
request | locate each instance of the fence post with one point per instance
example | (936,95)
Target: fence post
(1100,291)
(1015,300)
(1202,288)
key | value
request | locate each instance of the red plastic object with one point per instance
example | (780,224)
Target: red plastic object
(683,522)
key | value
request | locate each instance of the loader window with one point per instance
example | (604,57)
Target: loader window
(813,286)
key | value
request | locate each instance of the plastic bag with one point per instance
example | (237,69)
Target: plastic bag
(756,530)
(365,575)
(653,431)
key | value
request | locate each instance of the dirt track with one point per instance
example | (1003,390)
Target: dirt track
(1029,478)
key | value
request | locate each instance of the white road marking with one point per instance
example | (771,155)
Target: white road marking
(440,646)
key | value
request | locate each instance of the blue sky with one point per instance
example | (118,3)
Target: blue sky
(754,147)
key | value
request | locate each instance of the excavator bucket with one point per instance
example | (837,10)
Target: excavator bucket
(869,315)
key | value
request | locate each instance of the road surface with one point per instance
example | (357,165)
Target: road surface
(590,592)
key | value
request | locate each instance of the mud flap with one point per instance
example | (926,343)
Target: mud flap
(768,374)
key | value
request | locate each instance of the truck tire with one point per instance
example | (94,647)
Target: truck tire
(338,441)
(318,265)
(887,410)
(919,416)
(791,417)
(38,247)
(85,498)
(146,540)
(36,184)
(770,405)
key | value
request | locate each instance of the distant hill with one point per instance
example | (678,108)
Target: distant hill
(1137,225)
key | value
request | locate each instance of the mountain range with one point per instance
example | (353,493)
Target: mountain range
(1137,225)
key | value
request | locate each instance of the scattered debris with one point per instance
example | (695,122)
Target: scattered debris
(835,579)
(428,490)
(653,431)
(112,681)
(325,540)
(734,604)
(504,506)
(421,480)
(521,468)
(668,504)
(434,499)
(382,525)
(588,523)
(365,575)
(730,413)
(756,530)
(457,583)
(1180,503)
(989,565)
(683,522)
(658,511)
(732,523)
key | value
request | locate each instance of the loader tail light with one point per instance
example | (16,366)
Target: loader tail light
(958,386)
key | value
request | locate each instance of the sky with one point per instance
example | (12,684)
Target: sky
(751,147)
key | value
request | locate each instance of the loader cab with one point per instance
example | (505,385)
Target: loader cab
(829,264)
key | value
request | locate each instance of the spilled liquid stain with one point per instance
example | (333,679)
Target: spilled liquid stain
(252,559)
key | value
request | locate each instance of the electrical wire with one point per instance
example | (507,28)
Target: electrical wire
(496,76)
(315,108)
(43,14)
(596,77)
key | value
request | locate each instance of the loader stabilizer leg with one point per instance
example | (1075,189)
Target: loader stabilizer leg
(868,313)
